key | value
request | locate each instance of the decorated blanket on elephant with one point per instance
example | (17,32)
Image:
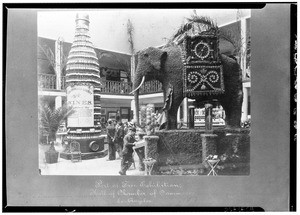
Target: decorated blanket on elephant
(203,72)
(203,80)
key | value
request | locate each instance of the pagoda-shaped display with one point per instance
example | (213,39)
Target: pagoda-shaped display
(83,89)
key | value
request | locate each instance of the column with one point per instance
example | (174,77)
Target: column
(132,105)
(132,72)
(185,110)
(243,46)
(58,57)
(208,117)
(245,104)
(58,102)
(151,154)
(178,114)
(132,59)
(191,117)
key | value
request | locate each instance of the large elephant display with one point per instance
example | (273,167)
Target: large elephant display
(165,65)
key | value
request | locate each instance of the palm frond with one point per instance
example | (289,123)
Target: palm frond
(130,31)
(227,36)
(184,28)
(123,64)
(48,54)
(51,57)
(203,20)
(196,24)
(50,120)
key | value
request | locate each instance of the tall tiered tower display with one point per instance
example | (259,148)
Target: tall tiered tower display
(83,90)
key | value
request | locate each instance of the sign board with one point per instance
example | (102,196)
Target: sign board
(218,116)
(81,98)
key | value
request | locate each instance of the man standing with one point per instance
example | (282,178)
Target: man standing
(125,128)
(140,151)
(127,159)
(119,136)
(110,140)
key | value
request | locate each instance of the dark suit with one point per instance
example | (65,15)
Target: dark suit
(127,159)
(119,136)
(111,145)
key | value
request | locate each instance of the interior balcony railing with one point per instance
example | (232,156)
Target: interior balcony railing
(151,87)
(48,82)
(116,87)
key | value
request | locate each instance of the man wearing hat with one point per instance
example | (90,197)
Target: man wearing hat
(129,142)
(119,136)
(111,130)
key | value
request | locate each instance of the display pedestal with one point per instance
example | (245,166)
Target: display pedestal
(150,153)
(90,148)
(151,146)
(85,156)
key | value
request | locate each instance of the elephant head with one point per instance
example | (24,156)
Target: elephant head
(150,66)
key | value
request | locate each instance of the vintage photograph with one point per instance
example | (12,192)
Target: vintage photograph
(144,92)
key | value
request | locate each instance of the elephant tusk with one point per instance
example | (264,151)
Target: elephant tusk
(138,86)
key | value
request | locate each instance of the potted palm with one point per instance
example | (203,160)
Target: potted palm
(49,122)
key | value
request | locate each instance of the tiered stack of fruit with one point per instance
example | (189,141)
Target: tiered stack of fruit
(153,119)
(143,116)
(150,115)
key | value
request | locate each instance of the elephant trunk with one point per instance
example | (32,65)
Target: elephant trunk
(136,103)
(137,84)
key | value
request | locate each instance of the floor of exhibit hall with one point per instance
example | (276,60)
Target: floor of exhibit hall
(98,166)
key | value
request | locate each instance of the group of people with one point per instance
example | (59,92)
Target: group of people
(121,140)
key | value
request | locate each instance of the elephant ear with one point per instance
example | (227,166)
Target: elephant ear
(158,59)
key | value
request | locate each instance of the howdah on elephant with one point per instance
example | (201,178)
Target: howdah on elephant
(165,65)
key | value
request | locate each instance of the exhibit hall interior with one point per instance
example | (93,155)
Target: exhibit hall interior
(118,96)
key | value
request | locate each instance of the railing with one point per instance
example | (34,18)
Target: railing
(151,87)
(48,82)
(116,87)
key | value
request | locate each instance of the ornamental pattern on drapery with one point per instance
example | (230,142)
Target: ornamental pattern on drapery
(203,71)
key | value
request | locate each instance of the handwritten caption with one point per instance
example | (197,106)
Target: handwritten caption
(143,192)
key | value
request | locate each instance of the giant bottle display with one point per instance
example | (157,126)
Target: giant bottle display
(83,89)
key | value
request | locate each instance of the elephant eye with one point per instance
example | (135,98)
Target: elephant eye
(146,55)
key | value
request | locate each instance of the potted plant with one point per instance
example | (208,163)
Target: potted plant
(49,122)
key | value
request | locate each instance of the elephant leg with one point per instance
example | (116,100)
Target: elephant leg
(233,110)
(172,120)
(172,114)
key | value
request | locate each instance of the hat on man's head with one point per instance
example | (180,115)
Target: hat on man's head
(132,129)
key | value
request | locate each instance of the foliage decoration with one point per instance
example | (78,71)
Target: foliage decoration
(130,31)
(51,58)
(50,120)
(196,24)
(124,65)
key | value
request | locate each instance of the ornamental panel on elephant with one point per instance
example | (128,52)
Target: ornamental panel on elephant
(203,71)
(203,80)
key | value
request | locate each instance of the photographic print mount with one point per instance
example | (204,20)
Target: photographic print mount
(256,164)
